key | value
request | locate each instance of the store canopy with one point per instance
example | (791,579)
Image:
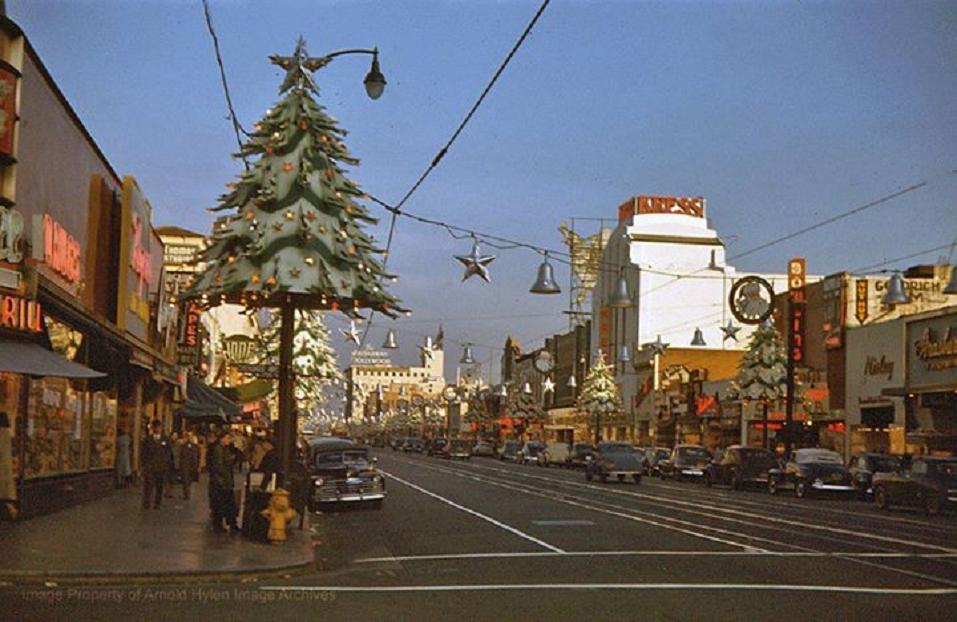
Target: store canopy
(198,412)
(210,400)
(31,359)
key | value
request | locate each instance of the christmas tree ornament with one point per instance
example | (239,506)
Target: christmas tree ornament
(288,167)
(730,331)
(295,272)
(475,263)
(352,334)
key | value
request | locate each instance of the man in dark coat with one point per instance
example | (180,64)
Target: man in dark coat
(189,463)
(221,482)
(156,463)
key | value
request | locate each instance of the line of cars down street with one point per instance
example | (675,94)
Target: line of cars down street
(928,483)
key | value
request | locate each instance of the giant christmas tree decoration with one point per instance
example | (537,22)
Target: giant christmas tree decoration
(292,235)
(599,395)
(762,373)
(313,358)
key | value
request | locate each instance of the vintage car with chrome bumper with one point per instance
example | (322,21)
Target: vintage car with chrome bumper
(342,472)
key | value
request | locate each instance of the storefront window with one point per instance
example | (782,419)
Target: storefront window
(55,429)
(102,431)
(9,406)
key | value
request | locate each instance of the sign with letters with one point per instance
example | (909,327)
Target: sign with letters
(684,206)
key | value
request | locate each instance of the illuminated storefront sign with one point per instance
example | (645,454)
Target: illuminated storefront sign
(932,353)
(20,314)
(797,278)
(59,250)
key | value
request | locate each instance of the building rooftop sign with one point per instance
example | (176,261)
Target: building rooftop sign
(681,206)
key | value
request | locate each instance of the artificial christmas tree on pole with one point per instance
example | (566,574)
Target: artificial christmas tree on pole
(762,374)
(313,357)
(599,395)
(292,237)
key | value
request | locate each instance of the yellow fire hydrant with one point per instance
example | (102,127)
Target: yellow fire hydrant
(279,514)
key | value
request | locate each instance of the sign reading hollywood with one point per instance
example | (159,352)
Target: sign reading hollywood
(642,204)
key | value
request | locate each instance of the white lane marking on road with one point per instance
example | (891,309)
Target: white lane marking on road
(484,517)
(846,589)
(507,555)
(631,515)
(565,499)
(766,517)
(564,523)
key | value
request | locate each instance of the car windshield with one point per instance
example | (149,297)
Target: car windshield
(616,448)
(693,453)
(883,464)
(330,458)
(818,456)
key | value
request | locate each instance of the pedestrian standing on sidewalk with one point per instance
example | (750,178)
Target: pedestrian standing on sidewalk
(189,463)
(157,458)
(124,471)
(222,460)
(172,477)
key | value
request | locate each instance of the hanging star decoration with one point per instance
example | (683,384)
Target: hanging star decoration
(657,346)
(352,334)
(299,67)
(476,263)
(428,349)
(730,331)
(548,386)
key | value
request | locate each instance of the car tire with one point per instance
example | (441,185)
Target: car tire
(375,505)
(636,478)
(603,478)
(801,490)
(588,475)
(932,505)
(880,498)
(772,486)
(708,483)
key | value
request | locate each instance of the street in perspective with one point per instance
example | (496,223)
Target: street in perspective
(522,310)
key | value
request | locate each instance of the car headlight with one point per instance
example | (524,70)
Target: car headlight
(818,482)
(319,482)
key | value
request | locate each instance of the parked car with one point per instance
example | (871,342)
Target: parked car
(530,452)
(864,466)
(737,466)
(614,461)
(397,443)
(341,472)
(930,483)
(579,455)
(510,451)
(685,462)
(652,456)
(483,448)
(438,447)
(414,445)
(812,470)
(555,453)
(460,449)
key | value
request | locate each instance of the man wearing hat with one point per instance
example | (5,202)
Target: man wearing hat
(156,463)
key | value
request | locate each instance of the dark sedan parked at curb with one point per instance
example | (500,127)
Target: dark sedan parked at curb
(865,466)
(413,445)
(686,462)
(511,451)
(614,461)
(812,470)
(930,483)
(438,447)
(460,449)
(578,458)
(738,466)
(342,473)
(483,448)
(531,453)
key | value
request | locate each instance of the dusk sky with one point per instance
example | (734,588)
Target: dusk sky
(780,114)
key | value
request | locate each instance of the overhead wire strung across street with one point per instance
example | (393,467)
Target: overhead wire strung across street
(237,128)
(396,209)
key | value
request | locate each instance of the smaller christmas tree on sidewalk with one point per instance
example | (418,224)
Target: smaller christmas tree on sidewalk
(313,357)
(599,395)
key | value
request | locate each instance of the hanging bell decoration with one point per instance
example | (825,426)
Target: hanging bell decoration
(467,358)
(390,342)
(624,355)
(698,338)
(572,382)
(620,299)
(502,391)
(952,284)
(527,388)
(896,294)
(545,283)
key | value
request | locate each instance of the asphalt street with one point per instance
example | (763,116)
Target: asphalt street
(484,539)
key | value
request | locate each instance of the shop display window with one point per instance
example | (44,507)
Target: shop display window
(102,431)
(55,431)
(10,405)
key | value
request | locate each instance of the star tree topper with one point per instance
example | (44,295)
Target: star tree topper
(476,263)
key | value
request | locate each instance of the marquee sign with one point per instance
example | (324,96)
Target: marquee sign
(684,206)
(20,314)
(239,348)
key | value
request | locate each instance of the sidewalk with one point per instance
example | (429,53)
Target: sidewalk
(113,538)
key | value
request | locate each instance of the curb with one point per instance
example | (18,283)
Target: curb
(244,575)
